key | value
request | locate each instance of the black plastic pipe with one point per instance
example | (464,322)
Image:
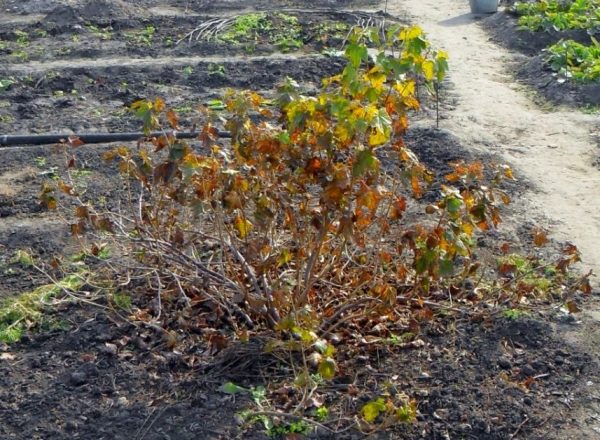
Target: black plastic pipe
(7,140)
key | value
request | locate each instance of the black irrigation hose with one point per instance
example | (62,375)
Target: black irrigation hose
(7,140)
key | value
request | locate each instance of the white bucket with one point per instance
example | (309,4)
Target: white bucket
(483,6)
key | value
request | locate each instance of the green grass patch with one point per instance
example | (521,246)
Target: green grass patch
(26,311)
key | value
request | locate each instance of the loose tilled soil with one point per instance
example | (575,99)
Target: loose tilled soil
(91,376)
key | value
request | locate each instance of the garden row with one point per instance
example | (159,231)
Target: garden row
(576,22)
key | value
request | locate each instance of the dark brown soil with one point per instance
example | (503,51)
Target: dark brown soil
(90,375)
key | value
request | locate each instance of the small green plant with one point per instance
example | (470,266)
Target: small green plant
(533,277)
(81,173)
(142,36)
(321,413)
(102,33)
(328,30)
(279,29)
(20,55)
(22,258)
(5,83)
(576,61)
(387,411)
(22,38)
(395,339)
(64,51)
(187,71)
(283,430)
(122,301)
(187,108)
(216,105)
(216,69)
(513,314)
(246,27)
(40,161)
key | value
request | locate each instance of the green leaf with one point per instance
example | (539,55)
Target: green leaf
(382,120)
(371,410)
(454,205)
(284,257)
(356,54)
(365,161)
(446,268)
(259,394)
(215,104)
(231,388)
(321,346)
(327,368)
(5,84)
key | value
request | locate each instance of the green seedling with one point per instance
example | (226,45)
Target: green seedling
(122,301)
(143,36)
(22,38)
(22,258)
(216,69)
(216,105)
(5,83)
(20,55)
(40,161)
(187,71)
(102,33)
(513,314)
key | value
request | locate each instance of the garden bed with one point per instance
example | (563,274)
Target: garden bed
(88,374)
(534,68)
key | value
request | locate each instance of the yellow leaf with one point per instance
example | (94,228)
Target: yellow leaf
(411,33)
(243,227)
(378,137)
(327,368)
(405,88)
(376,77)
(159,105)
(371,410)
(428,67)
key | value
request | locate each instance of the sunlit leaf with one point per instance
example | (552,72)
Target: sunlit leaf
(428,67)
(327,368)
(242,226)
(356,54)
(231,388)
(371,410)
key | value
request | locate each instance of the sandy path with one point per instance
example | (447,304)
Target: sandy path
(552,150)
